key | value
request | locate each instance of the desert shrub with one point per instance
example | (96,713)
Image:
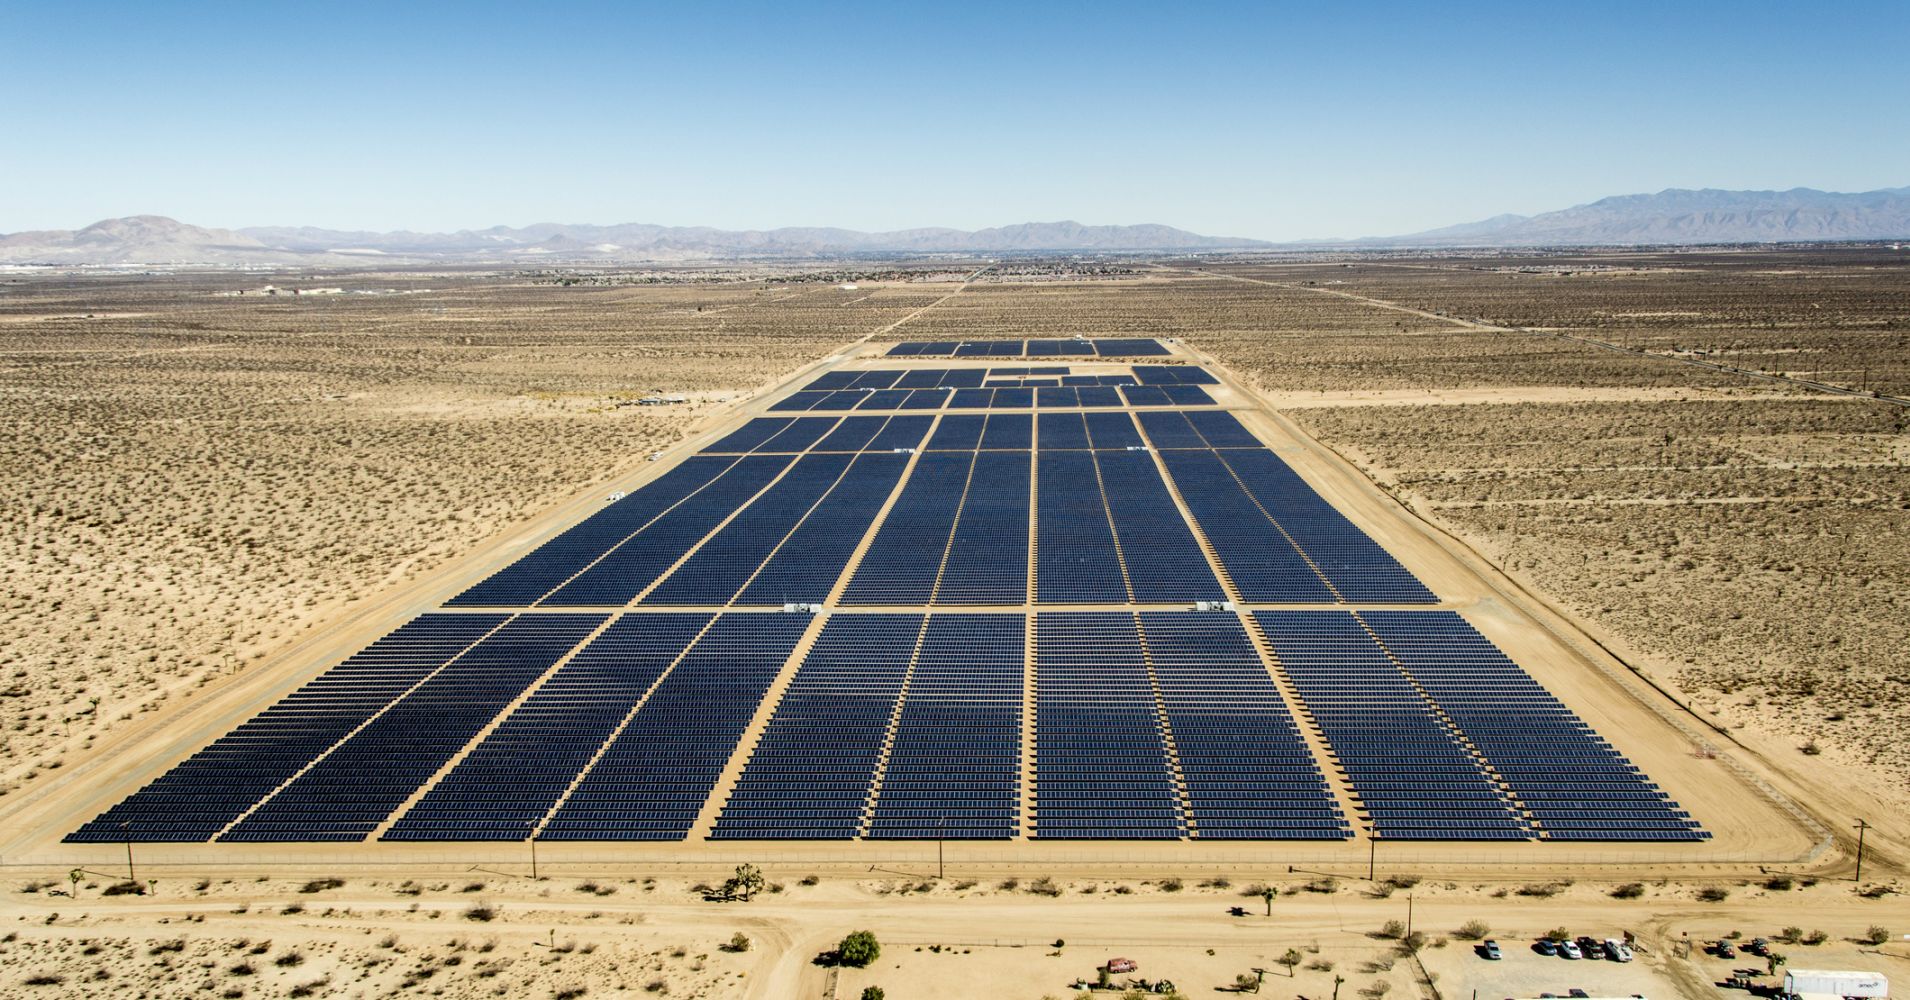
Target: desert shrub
(738,943)
(858,949)
(1169,885)
(1394,929)
(872,993)
(1876,935)
(322,884)
(124,889)
(481,912)
(289,960)
(1540,890)
(1473,930)
(1713,894)
(1630,890)
(1816,937)
(1779,883)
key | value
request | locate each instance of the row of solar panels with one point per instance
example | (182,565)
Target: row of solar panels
(773,528)
(1105,347)
(1018,397)
(1442,737)
(1146,726)
(969,378)
(930,378)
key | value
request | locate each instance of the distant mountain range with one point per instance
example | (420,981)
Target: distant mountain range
(1682,216)
(144,239)
(1669,217)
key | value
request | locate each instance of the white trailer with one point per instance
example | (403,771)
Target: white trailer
(1810,982)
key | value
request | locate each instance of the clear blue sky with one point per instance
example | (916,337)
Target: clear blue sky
(1269,120)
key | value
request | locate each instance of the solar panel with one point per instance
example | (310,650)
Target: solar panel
(805,567)
(347,793)
(1128,347)
(1076,558)
(1543,753)
(1101,765)
(1246,768)
(1413,774)
(557,560)
(812,774)
(203,794)
(905,557)
(638,561)
(654,776)
(729,558)
(508,783)
(987,560)
(954,769)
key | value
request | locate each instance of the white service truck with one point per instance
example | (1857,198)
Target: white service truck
(1813,983)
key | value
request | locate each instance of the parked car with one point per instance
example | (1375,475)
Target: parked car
(1490,950)
(1723,949)
(1569,949)
(1759,947)
(1547,946)
(1591,947)
(1121,965)
(1577,993)
(1617,950)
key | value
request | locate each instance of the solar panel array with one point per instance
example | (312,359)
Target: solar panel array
(1003,394)
(1105,347)
(1015,564)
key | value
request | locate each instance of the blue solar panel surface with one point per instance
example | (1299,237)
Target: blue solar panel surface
(506,716)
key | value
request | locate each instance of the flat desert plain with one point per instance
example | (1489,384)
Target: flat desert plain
(1681,474)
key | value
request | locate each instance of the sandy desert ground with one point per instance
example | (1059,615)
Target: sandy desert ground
(491,933)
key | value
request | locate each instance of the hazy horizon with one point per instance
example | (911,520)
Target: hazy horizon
(1227,120)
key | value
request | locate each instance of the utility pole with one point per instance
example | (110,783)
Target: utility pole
(531,826)
(126,832)
(941,870)
(1861,827)
(1372,852)
(1409,914)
